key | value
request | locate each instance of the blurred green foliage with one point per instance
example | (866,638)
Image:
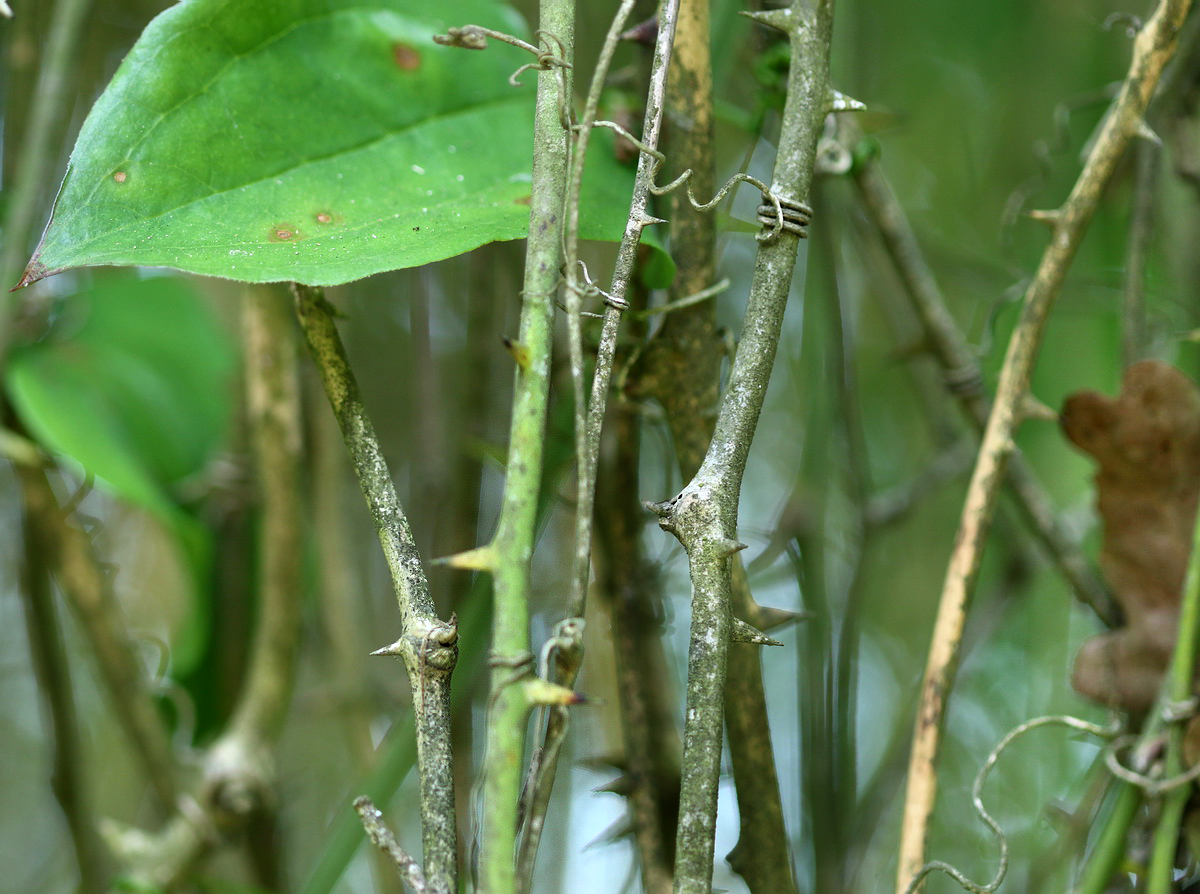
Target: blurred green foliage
(979,112)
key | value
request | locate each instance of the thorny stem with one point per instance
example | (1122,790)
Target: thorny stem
(1152,49)
(427,645)
(340,585)
(704,515)
(508,557)
(964,379)
(681,370)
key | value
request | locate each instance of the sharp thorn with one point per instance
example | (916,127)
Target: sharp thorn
(785,20)
(729,547)
(1146,132)
(840,102)
(479,559)
(395,649)
(770,618)
(1049,218)
(744,633)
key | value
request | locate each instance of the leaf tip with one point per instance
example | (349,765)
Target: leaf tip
(34,271)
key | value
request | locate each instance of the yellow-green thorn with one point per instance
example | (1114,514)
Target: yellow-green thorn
(1032,408)
(543,692)
(482,558)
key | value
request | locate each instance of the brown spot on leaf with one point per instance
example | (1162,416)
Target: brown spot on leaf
(284,233)
(406,57)
(119,176)
(324,217)
(1146,442)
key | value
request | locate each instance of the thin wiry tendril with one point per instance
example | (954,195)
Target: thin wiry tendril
(779,215)
(1152,786)
(977,802)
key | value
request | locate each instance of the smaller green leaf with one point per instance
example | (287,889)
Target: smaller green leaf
(132,382)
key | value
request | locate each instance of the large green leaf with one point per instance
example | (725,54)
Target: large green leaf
(310,140)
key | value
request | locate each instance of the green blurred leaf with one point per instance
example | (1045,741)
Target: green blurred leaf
(132,382)
(311,140)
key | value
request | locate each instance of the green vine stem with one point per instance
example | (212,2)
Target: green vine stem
(588,427)
(1153,47)
(427,645)
(508,555)
(1109,849)
(704,515)
(1180,691)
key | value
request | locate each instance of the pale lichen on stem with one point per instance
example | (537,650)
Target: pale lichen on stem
(704,515)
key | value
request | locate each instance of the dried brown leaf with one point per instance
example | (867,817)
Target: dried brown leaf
(1147,444)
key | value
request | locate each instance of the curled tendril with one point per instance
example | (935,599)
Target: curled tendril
(776,214)
(591,290)
(1153,786)
(475,37)
(1105,732)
